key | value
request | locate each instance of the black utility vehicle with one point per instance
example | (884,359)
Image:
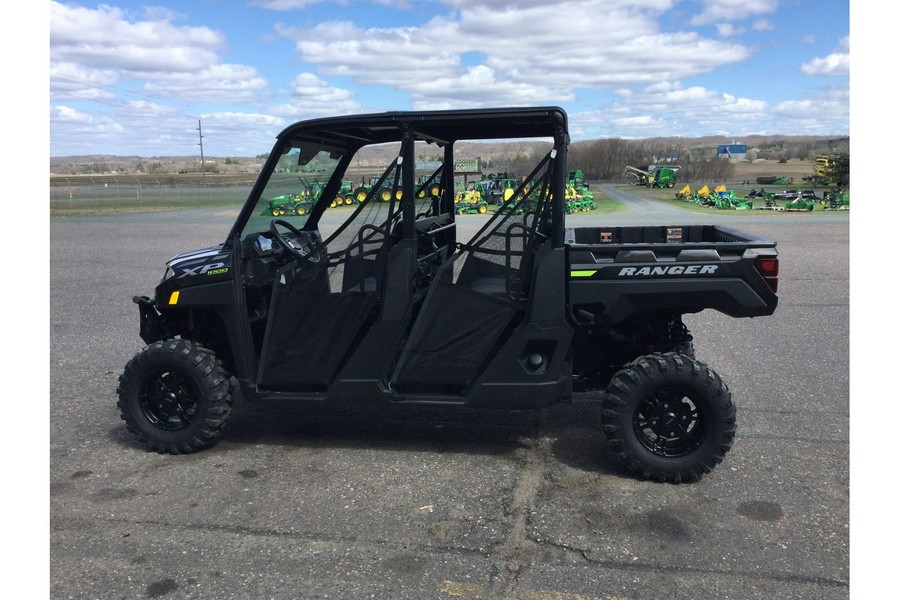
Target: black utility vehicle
(383,302)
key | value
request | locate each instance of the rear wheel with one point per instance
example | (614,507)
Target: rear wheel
(668,417)
(175,396)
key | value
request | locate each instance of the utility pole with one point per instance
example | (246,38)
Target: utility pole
(202,164)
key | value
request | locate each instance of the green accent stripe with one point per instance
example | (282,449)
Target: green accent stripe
(583,273)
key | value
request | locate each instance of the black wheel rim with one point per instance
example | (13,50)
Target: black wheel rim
(167,401)
(669,423)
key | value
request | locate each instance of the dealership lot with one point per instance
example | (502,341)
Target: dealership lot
(321,502)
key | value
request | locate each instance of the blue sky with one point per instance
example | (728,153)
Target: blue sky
(134,78)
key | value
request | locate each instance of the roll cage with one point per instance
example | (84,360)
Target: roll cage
(344,136)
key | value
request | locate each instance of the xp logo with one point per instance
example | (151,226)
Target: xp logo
(210,269)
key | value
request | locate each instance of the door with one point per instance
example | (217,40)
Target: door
(479,294)
(320,310)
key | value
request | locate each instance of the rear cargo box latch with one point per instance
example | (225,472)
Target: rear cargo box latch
(673,235)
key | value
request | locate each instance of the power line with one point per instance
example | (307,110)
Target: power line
(202,164)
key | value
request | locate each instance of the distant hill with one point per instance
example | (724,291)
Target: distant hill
(769,147)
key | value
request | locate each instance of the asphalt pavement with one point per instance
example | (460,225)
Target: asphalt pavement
(431,503)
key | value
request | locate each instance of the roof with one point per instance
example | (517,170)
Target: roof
(445,126)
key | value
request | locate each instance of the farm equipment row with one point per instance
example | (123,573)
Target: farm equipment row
(348,195)
(790,200)
(469,202)
(301,203)
(478,197)
(802,200)
(720,198)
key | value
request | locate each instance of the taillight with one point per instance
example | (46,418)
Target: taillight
(768,268)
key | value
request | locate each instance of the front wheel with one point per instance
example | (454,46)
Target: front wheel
(175,396)
(668,417)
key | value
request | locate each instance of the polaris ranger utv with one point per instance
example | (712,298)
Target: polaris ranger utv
(382,302)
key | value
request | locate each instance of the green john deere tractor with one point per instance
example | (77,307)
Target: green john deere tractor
(288,205)
(653,177)
(835,200)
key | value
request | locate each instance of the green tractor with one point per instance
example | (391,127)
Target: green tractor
(576,202)
(576,180)
(652,176)
(469,200)
(835,200)
(345,195)
(363,191)
(727,200)
(664,178)
(496,189)
(288,205)
(295,204)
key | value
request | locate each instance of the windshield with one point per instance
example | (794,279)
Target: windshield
(293,187)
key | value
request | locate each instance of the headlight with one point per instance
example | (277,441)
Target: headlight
(167,275)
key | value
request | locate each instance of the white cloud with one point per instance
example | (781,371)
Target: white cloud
(103,38)
(71,81)
(395,58)
(597,5)
(837,63)
(670,109)
(535,63)
(70,115)
(287,5)
(717,11)
(144,128)
(92,50)
(314,97)
(295,5)
(239,134)
(825,114)
(576,53)
(216,82)
(81,133)
(468,91)
(729,30)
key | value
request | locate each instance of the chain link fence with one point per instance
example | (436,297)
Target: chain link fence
(87,192)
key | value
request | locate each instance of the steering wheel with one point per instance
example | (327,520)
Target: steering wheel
(306,249)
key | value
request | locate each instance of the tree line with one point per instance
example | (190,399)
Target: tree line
(606,159)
